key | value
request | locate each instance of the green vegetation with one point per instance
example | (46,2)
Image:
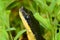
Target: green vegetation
(46,12)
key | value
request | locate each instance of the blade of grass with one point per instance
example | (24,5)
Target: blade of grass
(52,5)
(45,22)
(41,4)
(19,34)
(10,29)
(4,19)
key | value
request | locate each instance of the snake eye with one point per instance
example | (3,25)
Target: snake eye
(27,17)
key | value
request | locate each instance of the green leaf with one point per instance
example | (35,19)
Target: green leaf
(4,19)
(52,5)
(19,34)
(42,4)
(44,22)
(13,5)
(3,34)
(4,4)
(58,15)
(10,29)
